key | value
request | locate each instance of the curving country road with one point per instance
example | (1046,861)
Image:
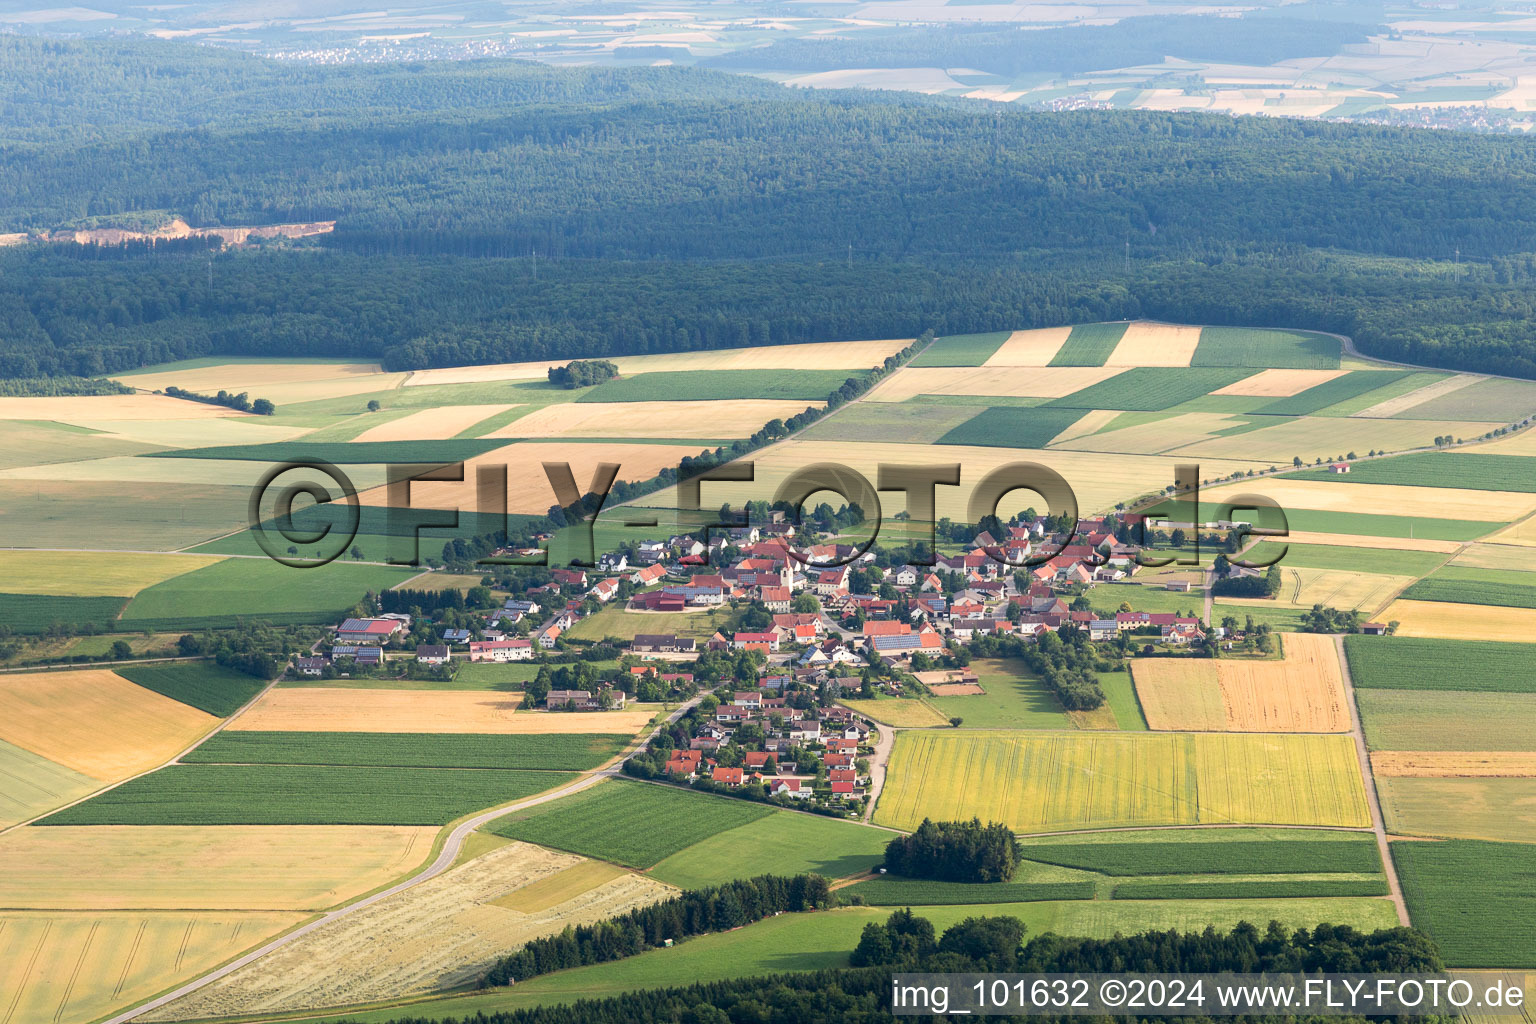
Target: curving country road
(444,860)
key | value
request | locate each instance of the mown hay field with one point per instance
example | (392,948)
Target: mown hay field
(1255,346)
(1302,693)
(616,821)
(95,722)
(1353,385)
(782,843)
(442,933)
(217,794)
(841,355)
(679,419)
(1454,764)
(1384,544)
(1460,621)
(1505,400)
(1497,556)
(553,752)
(1447,720)
(1030,348)
(1302,588)
(1459,808)
(903,714)
(75,408)
(71,968)
(1158,436)
(30,443)
(1403,404)
(1346,558)
(34,784)
(347,709)
(988,381)
(962,349)
(80,573)
(1040,782)
(431,424)
(1153,344)
(1400,499)
(1323,437)
(1277,383)
(232,867)
(1413,663)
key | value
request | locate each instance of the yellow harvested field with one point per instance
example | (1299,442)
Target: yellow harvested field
(652,419)
(563,885)
(1092,422)
(71,968)
(93,573)
(1394,499)
(1302,693)
(280,382)
(1045,781)
(830,355)
(1350,540)
(72,408)
(903,714)
(1098,479)
(336,709)
(240,473)
(95,721)
(1279,383)
(1152,344)
(1157,436)
(196,433)
(226,867)
(1523,443)
(1323,437)
(1461,621)
(1521,534)
(431,424)
(990,382)
(439,934)
(1402,403)
(529,489)
(1497,556)
(1030,348)
(1454,764)
(1337,588)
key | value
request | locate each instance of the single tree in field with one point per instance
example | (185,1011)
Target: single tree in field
(954,723)
(373,405)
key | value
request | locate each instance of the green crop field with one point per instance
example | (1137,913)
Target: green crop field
(1150,388)
(1469,470)
(1006,427)
(381,531)
(36,613)
(1466,808)
(961,349)
(1346,559)
(722,385)
(217,794)
(1462,585)
(1253,889)
(895,891)
(1248,346)
(1210,852)
(344,452)
(1372,524)
(1476,900)
(1089,345)
(912,422)
(1411,663)
(1015,699)
(1052,781)
(1352,385)
(238,589)
(631,823)
(205,685)
(807,942)
(409,750)
(781,843)
(1448,719)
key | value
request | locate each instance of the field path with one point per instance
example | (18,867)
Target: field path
(877,765)
(444,861)
(1378,824)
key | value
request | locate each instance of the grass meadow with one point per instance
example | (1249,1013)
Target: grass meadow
(780,843)
(632,823)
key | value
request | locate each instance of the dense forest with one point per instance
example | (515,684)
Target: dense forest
(675,209)
(1011,50)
